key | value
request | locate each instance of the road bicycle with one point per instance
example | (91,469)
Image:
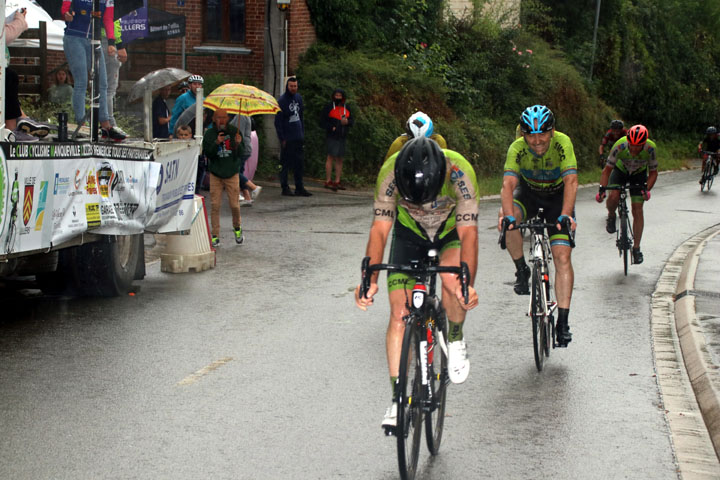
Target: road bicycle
(542,303)
(624,234)
(423,376)
(710,170)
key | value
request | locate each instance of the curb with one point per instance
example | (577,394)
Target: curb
(683,365)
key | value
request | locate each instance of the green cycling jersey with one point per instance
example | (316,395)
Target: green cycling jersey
(455,206)
(620,157)
(543,174)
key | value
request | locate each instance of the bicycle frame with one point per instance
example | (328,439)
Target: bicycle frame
(708,173)
(540,250)
(624,234)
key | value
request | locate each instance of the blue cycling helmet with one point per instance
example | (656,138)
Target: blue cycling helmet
(419,125)
(540,113)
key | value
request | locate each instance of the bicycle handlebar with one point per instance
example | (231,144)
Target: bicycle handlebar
(535,224)
(463,271)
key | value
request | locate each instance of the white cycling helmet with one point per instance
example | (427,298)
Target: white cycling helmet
(419,125)
(195,78)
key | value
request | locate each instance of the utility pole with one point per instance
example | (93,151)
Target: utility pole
(597,20)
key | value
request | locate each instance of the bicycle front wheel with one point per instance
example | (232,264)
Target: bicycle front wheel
(624,241)
(438,378)
(409,415)
(537,313)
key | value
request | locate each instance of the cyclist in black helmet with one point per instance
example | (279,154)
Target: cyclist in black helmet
(711,143)
(430,196)
(616,132)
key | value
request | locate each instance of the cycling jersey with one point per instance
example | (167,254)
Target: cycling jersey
(544,174)
(455,206)
(612,136)
(710,145)
(620,157)
(402,139)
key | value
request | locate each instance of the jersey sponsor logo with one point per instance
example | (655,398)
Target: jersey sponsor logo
(464,190)
(455,173)
(381,212)
(466,217)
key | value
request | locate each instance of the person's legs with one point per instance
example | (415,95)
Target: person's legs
(328,169)
(77,54)
(13,111)
(638,223)
(298,162)
(112,68)
(102,89)
(284,166)
(232,187)
(216,188)
(338,169)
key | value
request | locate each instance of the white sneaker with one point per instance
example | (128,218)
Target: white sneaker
(390,419)
(458,363)
(242,201)
(256,193)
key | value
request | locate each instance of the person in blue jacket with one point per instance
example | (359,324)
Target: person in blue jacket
(290,132)
(185,100)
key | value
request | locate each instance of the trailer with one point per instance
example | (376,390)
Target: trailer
(73,213)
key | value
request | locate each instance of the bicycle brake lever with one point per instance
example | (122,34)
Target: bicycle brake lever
(364,277)
(464,280)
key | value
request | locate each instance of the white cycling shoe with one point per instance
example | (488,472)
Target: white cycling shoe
(458,363)
(390,419)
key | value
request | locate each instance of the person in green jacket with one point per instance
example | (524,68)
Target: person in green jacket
(222,145)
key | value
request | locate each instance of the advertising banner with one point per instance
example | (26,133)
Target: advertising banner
(51,193)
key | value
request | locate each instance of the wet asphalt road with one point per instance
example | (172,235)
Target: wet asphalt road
(263,368)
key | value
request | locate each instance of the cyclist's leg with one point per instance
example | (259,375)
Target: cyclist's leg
(637,201)
(403,249)
(523,208)
(458,363)
(617,179)
(564,273)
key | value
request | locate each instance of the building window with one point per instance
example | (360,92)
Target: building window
(225,21)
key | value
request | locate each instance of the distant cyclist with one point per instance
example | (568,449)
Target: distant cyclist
(429,195)
(541,172)
(711,143)
(631,161)
(615,133)
(418,125)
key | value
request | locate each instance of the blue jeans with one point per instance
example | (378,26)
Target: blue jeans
(78,54)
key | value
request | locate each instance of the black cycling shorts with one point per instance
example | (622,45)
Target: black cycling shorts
(407,246)
(619,177)
(530,202)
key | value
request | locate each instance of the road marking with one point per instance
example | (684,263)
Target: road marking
(190,379)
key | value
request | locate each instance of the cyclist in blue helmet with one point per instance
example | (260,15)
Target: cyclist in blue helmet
(541,172)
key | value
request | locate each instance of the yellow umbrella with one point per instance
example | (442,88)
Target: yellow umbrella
(242,99)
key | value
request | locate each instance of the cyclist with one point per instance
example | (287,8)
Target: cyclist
(616,132)
(418,125)
(541,172)
(631,161)
(430,196)
(711,143)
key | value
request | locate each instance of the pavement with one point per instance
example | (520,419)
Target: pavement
(686,336)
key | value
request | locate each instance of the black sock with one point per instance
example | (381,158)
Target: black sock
(520,264)
(563,315)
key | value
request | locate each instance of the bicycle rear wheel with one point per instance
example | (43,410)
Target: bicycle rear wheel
(409,415)
(706,180)
(624,241)
(537,314)
(438,377)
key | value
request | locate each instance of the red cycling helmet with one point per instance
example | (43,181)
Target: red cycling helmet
(637,135)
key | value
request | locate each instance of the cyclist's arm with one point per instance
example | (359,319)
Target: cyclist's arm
(469,249)
(569,194)
(379,232)
(605,175)
(652,178)
(510,182)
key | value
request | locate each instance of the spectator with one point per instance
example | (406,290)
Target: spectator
(337,120)
(161,114)
(290,132)
(186,100)
(221,146)
(248,190)
(78,52)
(13,29)
(184,132)
(112,68)
(62,92)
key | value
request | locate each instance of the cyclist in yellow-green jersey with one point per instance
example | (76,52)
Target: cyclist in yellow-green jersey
(541,172)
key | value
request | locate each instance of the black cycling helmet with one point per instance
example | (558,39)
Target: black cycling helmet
(617,124)
(711,131)
(537,114)
(420,170)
